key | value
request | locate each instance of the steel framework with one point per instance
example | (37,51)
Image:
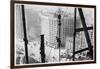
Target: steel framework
(85,29)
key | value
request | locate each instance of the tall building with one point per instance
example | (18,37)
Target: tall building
(50,30)
(67,31)
(53,28)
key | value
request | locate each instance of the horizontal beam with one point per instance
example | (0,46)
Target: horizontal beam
(81,29)
(82,50)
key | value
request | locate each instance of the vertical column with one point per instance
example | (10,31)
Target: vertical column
(42,48)
(59,39)
(74,35)
(25,34)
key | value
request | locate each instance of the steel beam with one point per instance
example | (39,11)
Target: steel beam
(42,49)
(81,29)
(25,34)
(82,50)
(74,35)
(86,32)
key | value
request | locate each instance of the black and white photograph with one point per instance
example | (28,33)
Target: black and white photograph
(50,34)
